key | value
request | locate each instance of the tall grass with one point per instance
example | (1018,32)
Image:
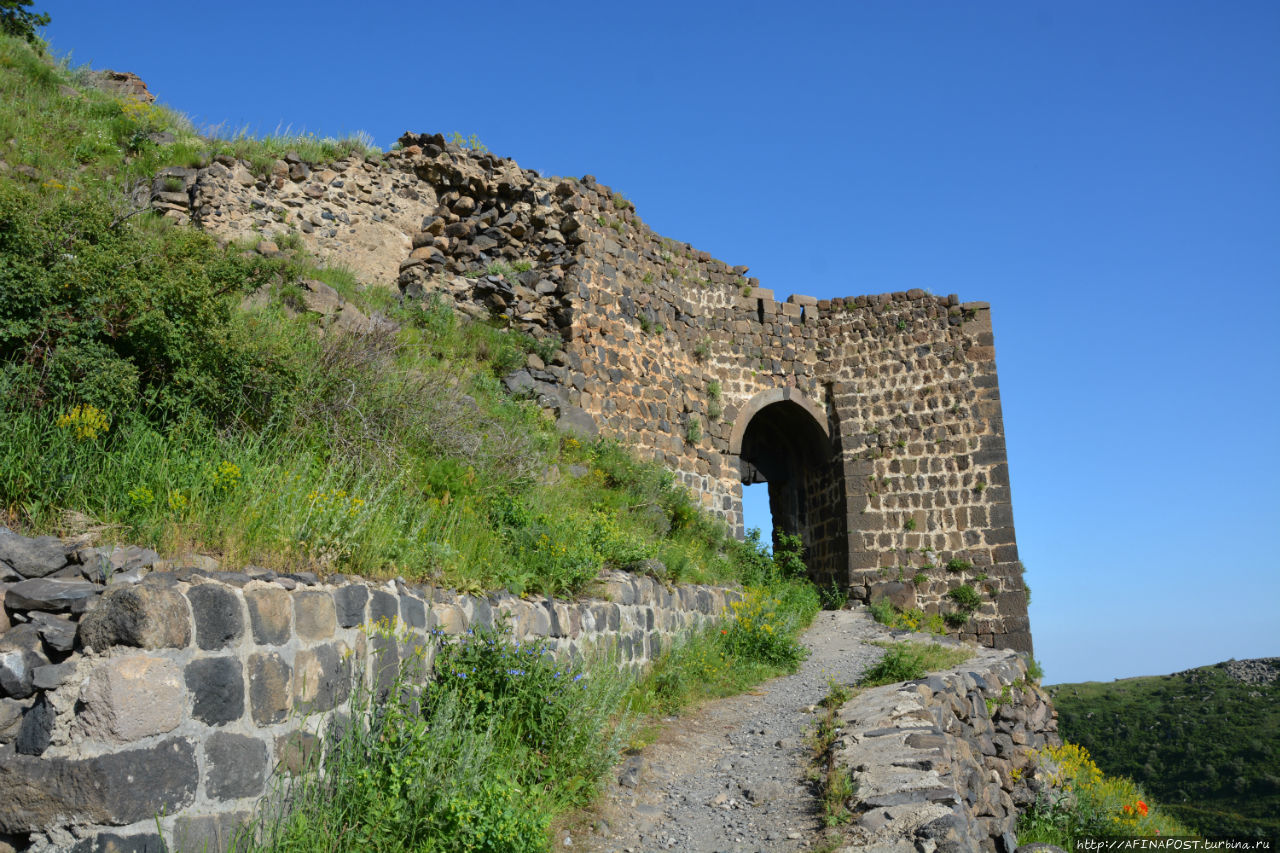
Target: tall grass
(758,639)
(478,759)
(482,742)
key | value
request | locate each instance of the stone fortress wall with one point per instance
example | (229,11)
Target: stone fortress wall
(147,701)
(876,420)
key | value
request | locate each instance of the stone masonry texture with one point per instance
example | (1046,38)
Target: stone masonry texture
(188,689)
(876,420)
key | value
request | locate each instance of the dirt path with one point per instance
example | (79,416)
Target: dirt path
(731,776)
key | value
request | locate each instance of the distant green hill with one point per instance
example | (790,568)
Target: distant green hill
(1204,742)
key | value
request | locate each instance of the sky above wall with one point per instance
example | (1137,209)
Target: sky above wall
(1105,174)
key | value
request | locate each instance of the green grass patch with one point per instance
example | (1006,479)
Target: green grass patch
(912,619)
(906,660)
(758,639)
(836,784)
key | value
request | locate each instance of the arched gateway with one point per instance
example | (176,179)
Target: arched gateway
(783,438)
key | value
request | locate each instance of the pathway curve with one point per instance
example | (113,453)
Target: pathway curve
(731,776)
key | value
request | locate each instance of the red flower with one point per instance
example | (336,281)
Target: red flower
(1142,807)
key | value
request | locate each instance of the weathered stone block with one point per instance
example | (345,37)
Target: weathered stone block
(296,751)
(449,618)
(116,789)
(349,602)
(413,612)
(147,616)
(219,621)
(235,766)
(21,653)
(900,595)
(321,677)
(384,608)
(269,614)
(207,833)
(132,697)
(270,679)
(386,664)
(217,690)
(314,614)
(36,730)
(109,842)
(32,558)
(49,594)
(11,711)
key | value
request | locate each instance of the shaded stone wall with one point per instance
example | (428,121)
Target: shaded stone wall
(879,415)
(948,759)
(164,704)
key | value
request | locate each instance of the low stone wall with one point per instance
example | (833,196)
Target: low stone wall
(161,715)
(944,763)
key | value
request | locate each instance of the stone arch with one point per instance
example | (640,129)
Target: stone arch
(769,398)
(783,438)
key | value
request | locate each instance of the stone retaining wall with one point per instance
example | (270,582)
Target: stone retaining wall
(944,763)
(168,706)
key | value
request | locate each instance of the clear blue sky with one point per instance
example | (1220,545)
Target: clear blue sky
(1106,174)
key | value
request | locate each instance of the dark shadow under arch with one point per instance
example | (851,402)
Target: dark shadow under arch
(783,438)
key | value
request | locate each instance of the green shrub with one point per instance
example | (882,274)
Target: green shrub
(110,313)
(1082,801)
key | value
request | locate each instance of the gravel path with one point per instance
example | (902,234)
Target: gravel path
(731,776)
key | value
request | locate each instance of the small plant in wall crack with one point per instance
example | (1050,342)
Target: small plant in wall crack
(714,408)
(965,597)
(909,524)
(693,432)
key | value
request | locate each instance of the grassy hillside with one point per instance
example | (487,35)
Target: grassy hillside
(1203,742)
(143,392)
(162,389)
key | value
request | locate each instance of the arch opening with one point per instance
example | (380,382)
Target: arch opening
(783,439)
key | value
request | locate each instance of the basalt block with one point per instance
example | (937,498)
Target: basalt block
(147,616)
(132,697)
(219,620)
(270,679)
(269,614)
(115,789)
(314,614)
(235,766)
(217,690)
(32,557)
